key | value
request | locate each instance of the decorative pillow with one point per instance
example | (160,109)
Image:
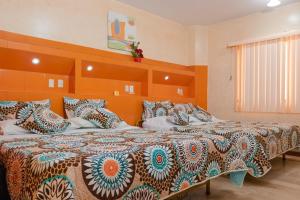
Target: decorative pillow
(26,109)
(156,109)
(43,121)
(10,109)
(46,103)
(103,118)
(185,107)
(178,117)
(81,107)
(202,114)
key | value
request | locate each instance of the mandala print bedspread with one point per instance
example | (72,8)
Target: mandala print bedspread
(132,164)
(258,143)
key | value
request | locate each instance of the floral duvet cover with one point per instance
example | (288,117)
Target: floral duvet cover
(130,164)
(257,142)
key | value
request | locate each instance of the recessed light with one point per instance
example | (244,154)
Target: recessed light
(273,3)
(35,61)
(89,68)
(167,78)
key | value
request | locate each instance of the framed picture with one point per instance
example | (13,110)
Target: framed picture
(121,31)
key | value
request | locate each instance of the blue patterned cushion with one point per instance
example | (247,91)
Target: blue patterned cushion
(103,118)
(185,107)
(195,110)
(42,120)
(81,107)
(202,114)
(178,117)
(156,109)
(10,109)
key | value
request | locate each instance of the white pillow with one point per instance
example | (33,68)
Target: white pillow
(161,123)
(194,120)
(78,122)
(158,123)
(9,127)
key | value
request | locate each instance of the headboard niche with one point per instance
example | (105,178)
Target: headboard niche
(22,80)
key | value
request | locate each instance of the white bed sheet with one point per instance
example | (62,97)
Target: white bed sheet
(122,127)
(162,124)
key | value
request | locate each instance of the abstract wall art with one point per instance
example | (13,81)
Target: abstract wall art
(121,31)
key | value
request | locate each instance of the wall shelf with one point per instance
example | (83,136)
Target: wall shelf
(114,72)
(173,78)
(117,77)
(18,73)
(169,87)
(21,80)
(13,59)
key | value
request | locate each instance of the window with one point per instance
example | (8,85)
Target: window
(268,76)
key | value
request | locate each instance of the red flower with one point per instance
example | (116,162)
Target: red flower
(135,51)
(139,51)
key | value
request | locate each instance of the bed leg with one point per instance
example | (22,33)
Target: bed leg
(207,184)
(283,157)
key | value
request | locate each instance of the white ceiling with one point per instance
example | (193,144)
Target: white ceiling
(202,12)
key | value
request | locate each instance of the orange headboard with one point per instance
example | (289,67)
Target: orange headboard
(21,80)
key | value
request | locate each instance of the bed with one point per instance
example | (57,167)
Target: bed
(111,160)
(114,164)
(257,142)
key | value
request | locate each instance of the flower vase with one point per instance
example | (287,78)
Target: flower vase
(138,60)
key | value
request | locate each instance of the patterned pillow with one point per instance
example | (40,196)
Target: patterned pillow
(185,107)
(179,118)
(26,109)
(103,118)
(81,107)
(42,120)
(156,109)
(46,103)
(202,114)
(10,109)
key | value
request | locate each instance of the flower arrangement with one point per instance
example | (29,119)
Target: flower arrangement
(136,53)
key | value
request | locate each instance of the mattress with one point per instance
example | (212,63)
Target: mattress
(128,163)
(257,142)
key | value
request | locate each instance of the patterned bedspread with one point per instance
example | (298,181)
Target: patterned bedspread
(131,164)
(258,143)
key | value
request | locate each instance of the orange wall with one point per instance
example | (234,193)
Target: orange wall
(20,80)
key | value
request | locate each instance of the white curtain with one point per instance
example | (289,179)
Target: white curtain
(268,76)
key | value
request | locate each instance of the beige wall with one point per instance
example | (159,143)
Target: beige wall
(198,53)
(84,22)
(221,59)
